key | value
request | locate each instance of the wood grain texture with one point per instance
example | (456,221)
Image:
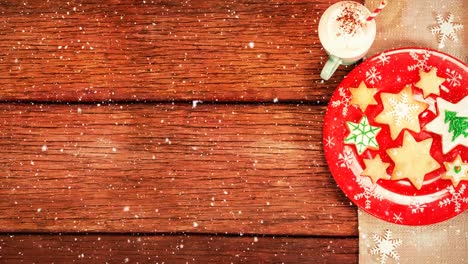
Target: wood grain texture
(162,50)
(175,249)
(168,168)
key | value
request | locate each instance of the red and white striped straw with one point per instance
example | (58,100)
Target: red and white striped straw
(377,10)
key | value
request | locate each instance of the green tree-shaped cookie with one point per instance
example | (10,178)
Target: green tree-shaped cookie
(458,125)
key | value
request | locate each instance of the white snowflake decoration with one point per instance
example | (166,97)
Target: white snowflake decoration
(417,207)
(453,78)
(402,109)
(385,247)
(383,59)
(368,192)
(345,159)
(397,218)
(456,198)
(344,101)
(446,29)
(330,142)
(421,61)
(373,76)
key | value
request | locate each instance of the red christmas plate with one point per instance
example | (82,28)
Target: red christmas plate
(396,137)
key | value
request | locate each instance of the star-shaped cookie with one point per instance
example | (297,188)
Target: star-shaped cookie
(363,96)
(362,135)
(376,169)
(451,123)
(429,82)
(412,160)
(400,111)
(456,171)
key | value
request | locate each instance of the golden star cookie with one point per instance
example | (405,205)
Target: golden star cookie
(363,96)
(376,169)
(400,111)
(429,82)
(456,171)
(412,160)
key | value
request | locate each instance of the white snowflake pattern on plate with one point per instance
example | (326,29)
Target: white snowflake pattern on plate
(417,207)
(373,75)
(397,218)
(455,198)
(370,190)
(330,142)
(421,61)
(383,59)
(453,78)
(345,159)
(343,101)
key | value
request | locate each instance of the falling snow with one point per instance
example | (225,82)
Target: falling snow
(195,103)
(385,246)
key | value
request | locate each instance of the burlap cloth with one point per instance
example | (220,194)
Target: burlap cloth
(408,24)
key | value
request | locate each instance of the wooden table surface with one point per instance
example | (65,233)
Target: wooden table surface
(167,132)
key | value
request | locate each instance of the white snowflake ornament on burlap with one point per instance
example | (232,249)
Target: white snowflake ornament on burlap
(446,29)
(385,247)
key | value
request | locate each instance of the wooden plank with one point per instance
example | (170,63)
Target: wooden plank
(168,168)
(162,50)
(175,249)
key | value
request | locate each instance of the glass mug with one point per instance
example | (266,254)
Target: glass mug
(345,35)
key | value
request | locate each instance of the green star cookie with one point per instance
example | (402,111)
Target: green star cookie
(363,135)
